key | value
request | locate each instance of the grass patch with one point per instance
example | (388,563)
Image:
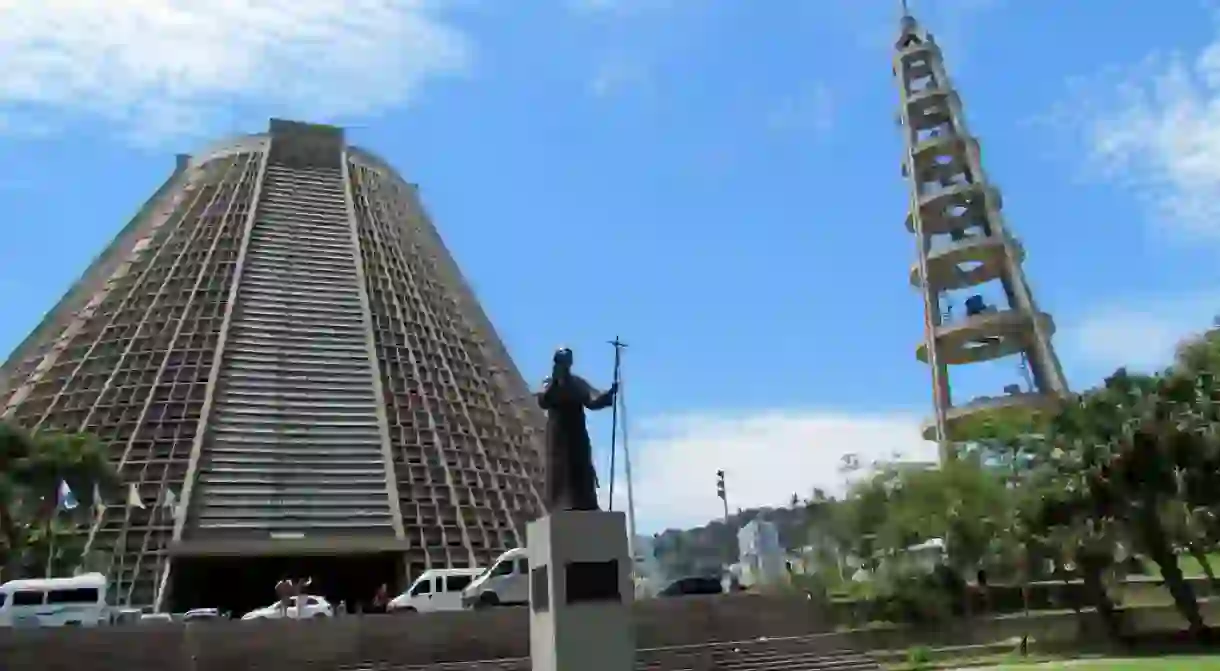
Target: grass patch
(1191,568)
(999,661)
(1208,663)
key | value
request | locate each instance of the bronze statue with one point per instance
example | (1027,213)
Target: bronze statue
(571,479)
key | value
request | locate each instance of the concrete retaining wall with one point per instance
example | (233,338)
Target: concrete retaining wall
(388,639)
(673,631)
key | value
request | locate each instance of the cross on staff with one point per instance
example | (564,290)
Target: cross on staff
(619,346)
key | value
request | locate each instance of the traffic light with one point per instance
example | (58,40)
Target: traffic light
(720,486)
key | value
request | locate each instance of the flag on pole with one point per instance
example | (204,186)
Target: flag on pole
(99,506)
(171,502)
(67,500)
(133,497)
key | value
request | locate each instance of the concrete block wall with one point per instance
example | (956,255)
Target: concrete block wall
(398,640)
(672,634)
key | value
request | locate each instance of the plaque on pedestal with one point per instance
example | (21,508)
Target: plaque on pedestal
(580,592)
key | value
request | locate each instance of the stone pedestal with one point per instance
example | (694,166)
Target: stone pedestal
(580,592)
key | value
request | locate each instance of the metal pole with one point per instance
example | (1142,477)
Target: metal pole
(622,400)
(618,346)
(50,531)
(51,549)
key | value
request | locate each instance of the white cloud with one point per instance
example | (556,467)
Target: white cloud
(621,7)
(596,5)
(1140,334)
(812,109)
(632,67)
(767,457)
(1155,128)
(616,75)
(172,66)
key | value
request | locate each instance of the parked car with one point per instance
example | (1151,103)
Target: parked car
(201,614)
(125,615)
(314,606)
(692,586)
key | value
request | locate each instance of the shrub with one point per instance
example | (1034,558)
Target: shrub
(910,597)
(919,658)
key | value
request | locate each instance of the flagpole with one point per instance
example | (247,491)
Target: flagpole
(133,501)
(621,398)
(99,516)
(60,501)
(63,496)
(51,536)
(171,502)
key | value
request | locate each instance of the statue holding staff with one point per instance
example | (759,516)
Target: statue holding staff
(571,478)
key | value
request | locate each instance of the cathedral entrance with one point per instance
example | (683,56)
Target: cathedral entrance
(239,584)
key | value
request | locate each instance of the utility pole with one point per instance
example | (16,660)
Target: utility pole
(722,494)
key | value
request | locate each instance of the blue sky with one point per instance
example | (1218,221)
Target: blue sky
(717,181)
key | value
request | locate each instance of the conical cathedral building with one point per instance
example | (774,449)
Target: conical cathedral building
(293,378)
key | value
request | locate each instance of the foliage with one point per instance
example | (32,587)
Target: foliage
(912,597)
(35,533)
(1129,469)
(919,658)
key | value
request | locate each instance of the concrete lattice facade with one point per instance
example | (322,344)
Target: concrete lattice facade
(963,244)
(280,343)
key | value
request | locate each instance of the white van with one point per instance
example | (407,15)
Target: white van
(435,590)
(55,602)
(505,583)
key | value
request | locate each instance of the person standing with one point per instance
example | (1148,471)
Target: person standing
(381,599)
(299,592)
(283,593)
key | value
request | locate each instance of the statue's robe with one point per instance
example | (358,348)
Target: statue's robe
(571,479)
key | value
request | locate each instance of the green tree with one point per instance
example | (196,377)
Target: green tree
(1112,479)
(1063,514)
(1197,466)
(1153,427)
(34,467)
(829,536)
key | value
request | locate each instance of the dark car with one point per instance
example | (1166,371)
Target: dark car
(692,586)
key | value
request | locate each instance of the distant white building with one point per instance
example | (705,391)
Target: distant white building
(804,560)
(649,577)
(920,557)
(761,557)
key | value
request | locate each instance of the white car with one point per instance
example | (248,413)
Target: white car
(315,606)
(201,614)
